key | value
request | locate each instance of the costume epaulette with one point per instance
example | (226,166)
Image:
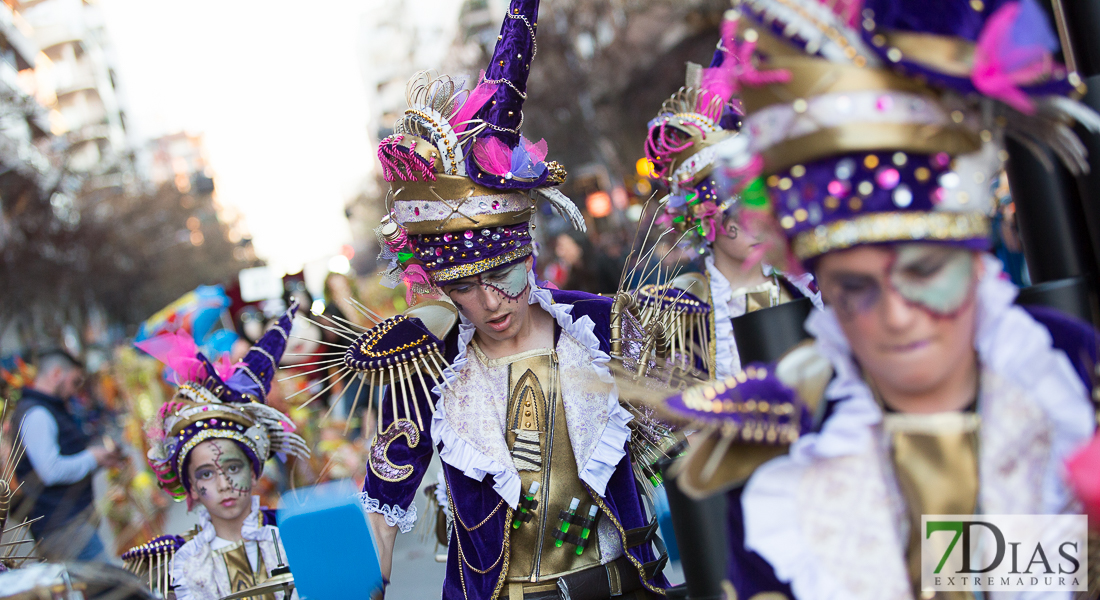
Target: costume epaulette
(685,304)
(151,560)
(749,418)
(405,352)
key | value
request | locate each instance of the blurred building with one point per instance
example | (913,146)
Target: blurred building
(82,87)
(180,160)
(396,40)
(177,157)
(26,172)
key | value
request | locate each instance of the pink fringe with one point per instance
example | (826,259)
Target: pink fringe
(414,275)
(402,164)
(660,145)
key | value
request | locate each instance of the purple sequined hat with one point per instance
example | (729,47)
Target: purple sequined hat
(463,179)
(881,121)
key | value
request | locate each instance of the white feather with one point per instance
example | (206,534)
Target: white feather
(1062,107)
(563,206)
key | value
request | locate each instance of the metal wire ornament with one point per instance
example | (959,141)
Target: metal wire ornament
(401,352)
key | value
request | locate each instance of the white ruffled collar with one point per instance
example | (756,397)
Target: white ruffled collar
(602,459)
(1010,344)
(251,529)
(727,359)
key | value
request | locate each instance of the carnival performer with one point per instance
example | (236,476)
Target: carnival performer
(519,397)
(208,446)
(926,389)
(696,125)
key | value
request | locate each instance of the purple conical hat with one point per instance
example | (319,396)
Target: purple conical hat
(861,142)
(463,179)
(252,376)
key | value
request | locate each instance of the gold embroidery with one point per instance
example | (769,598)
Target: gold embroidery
(239,567)
(890,227)
(441,276)
(380,463)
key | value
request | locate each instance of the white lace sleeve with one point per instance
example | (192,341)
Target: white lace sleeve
(395,515)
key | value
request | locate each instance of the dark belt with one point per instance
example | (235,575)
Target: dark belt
(619,577)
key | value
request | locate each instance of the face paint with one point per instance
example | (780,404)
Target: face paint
(936,277)
(233,465)
(511,281)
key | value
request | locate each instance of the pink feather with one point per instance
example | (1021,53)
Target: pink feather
(537,151)
(477,98)
(493,155)
(722,80)
(178,352)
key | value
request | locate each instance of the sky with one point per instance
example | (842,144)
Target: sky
(275,87)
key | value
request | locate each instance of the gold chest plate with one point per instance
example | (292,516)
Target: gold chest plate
(539,440)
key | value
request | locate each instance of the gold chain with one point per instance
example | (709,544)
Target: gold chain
(458,517)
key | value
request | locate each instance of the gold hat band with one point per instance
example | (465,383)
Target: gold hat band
(875,228)
(447,274)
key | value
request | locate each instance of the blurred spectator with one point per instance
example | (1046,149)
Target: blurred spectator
(1006,235)
(580,267)
(57,467)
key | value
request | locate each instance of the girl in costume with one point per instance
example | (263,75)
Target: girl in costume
(208,447)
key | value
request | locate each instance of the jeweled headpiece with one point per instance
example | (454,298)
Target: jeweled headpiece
(686,136)
(881,121)
(219,402)
(463,180)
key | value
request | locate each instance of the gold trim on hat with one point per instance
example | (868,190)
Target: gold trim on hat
(214,433)
(456,192)
(890,227)
(448,274)
(812,77)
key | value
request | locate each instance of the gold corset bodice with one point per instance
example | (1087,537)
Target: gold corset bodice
(541,450)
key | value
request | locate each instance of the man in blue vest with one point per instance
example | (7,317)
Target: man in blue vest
(57,468)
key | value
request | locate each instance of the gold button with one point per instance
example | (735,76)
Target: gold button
(527,413)
(527,425)
(528,403)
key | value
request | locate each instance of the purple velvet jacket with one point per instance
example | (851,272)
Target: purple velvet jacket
(475,500)
(750,574)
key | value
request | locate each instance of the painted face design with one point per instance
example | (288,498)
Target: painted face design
(229,473)
(937,278)
(509,282)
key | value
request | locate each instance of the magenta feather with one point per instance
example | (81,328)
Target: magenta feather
(493,155)
(178,352)
(722,80)
(477,98)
